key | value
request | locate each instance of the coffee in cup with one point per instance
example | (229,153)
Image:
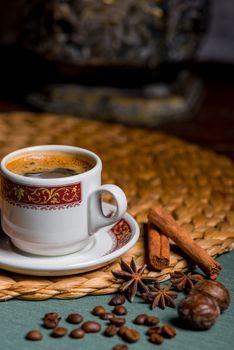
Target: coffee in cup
(53,164)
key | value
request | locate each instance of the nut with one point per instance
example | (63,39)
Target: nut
(198,311)
(215,289)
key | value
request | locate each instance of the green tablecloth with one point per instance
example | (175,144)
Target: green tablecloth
(17,317)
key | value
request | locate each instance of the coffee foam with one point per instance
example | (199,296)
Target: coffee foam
(47,161)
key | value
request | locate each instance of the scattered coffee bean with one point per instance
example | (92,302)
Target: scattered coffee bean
(118,299)
(74,318)
(59,332)
(53,316)
(51,320)
(34,335)
(118,321)
(77,333)
(110,330)
(98,310)
(153,330)
(140,319)
(120,310)
(107,316)
(156,338)
(120,347)
(156,334)
(91,327)
(168,331)
(152,321)
(131,335)
(122,330)
(48,323)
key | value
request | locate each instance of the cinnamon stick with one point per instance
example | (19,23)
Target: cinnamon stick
(158,248)
(161,218)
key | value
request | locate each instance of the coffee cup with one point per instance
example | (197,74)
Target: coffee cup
(52,199)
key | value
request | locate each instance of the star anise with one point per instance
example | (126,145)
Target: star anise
(134,278)
(160,297)
(182,281)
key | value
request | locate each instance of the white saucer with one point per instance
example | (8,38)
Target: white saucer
(104,246)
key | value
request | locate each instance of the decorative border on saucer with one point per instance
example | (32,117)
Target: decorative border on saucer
(43,198)
(120,234)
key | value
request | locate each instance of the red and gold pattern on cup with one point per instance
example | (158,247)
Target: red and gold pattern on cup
(36,197)
(120,234)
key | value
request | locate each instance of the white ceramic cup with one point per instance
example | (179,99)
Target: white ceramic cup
(55,216)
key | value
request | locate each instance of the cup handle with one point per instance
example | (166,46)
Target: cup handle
(97,219)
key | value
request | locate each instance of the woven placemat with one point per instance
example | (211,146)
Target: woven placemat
(194,184)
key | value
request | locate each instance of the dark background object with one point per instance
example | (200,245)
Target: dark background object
(114,32)
(121,45)
(98,42)
(217,44)
(129,40)
(211,124)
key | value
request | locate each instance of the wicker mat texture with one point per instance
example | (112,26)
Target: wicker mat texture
(194,184)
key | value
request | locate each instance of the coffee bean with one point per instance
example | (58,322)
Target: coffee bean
(140,319)
(74,318)
(118,321)
(168,331)
(51,320)
(152,321)
(118,299)
(120,347)
(120,310)
(48,323)
(110,330)
(98,310)
(156,338)
(77,333)
(53,316)
(153,330)
(122,330)
(107,316)
(91,327)
(34,335)
(131,335)
(59,332)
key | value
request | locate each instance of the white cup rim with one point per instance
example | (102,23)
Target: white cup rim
(16,178)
